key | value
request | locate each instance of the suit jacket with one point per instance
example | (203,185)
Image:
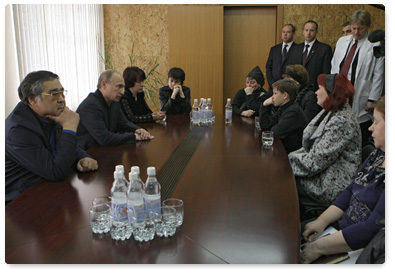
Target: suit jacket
(369,75)
(275,66)
(103,124)
(318,61)
(28,155)
(177,106)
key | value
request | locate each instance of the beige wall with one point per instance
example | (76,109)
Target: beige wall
(147,27)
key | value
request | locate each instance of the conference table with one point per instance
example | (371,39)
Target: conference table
(240,201)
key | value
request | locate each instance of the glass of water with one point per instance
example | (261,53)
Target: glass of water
(100,218)
(165,224)
(144,231)
(178,205)
(257,124)
(267,139)
(105,200)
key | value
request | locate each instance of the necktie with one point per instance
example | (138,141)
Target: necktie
(285,52)
(347,63)
(304,56)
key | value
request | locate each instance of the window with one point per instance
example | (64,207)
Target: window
(65,39)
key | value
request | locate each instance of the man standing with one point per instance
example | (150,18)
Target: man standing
(279,54)
(354,58)
(313,55)
(40,136)
(102,121)
(346,28)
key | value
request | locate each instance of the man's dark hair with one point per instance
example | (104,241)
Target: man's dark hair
(32,84)
(292,26)
(311,21)
(177,74)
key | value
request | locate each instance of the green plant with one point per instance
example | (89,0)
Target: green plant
(153,79)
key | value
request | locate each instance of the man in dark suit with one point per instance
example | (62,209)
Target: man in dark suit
(40,136)
(313,55)
(279,54)
(102,121)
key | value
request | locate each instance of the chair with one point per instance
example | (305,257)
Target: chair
(310,208)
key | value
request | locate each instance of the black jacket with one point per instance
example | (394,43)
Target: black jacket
(242,101)
(177,106)
(275,65)
(287,124)
(28,156)
(102,124)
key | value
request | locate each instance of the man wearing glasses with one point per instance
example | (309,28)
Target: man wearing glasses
(40,136)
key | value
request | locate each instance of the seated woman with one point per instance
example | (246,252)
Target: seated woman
(175,98)
(358,207)
(331,146)
(307,99)
(247,101)
(133,103)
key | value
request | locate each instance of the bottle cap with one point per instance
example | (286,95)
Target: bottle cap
(209,99)
(135,169)
(119,168)
(228,99)
(195,100)
(118,175)
(133,176)
(151,171)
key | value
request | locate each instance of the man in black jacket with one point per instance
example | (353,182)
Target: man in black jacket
(315,56)
(40,136)
(102,121)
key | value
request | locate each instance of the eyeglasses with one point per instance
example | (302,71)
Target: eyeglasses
(56,94)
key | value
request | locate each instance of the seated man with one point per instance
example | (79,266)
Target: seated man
(289,121)
(102,121)
(40,136)
(247,101)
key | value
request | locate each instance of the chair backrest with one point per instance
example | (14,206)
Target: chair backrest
(367,149)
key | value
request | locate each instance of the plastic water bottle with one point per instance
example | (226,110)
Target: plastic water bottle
(210,114)
(120,168)
(135,197)
(152,194)
(204,117)
(136,169)
(195,113)
(201,111)
(120,225)
(228,112)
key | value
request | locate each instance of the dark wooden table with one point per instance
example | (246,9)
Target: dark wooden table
(240,202)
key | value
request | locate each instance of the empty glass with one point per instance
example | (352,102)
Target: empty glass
(165,224)
(100,218)
(178,205)
(106,200)
(267,139)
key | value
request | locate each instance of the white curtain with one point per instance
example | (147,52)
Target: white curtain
(65,39)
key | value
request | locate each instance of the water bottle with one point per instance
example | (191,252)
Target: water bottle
(152,194)
(195,113)
(210,114)
(135,195)
(120,168)
(136,169)
(204,118)
(120,225)
(201,111)
(228,112)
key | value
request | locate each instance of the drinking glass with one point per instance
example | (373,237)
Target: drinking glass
(178,205)
(267,139)
(165,224)
(143,232)
(106,200)
(100,218)
(257,124)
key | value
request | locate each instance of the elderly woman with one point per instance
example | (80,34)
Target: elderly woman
(358,207)
(331,145)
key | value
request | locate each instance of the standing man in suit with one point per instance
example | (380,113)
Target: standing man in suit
(313,55)
(102,121)
(279,54)
(354,58)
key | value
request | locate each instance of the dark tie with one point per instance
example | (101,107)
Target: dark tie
(304,56)
(285,52)
(347,63)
